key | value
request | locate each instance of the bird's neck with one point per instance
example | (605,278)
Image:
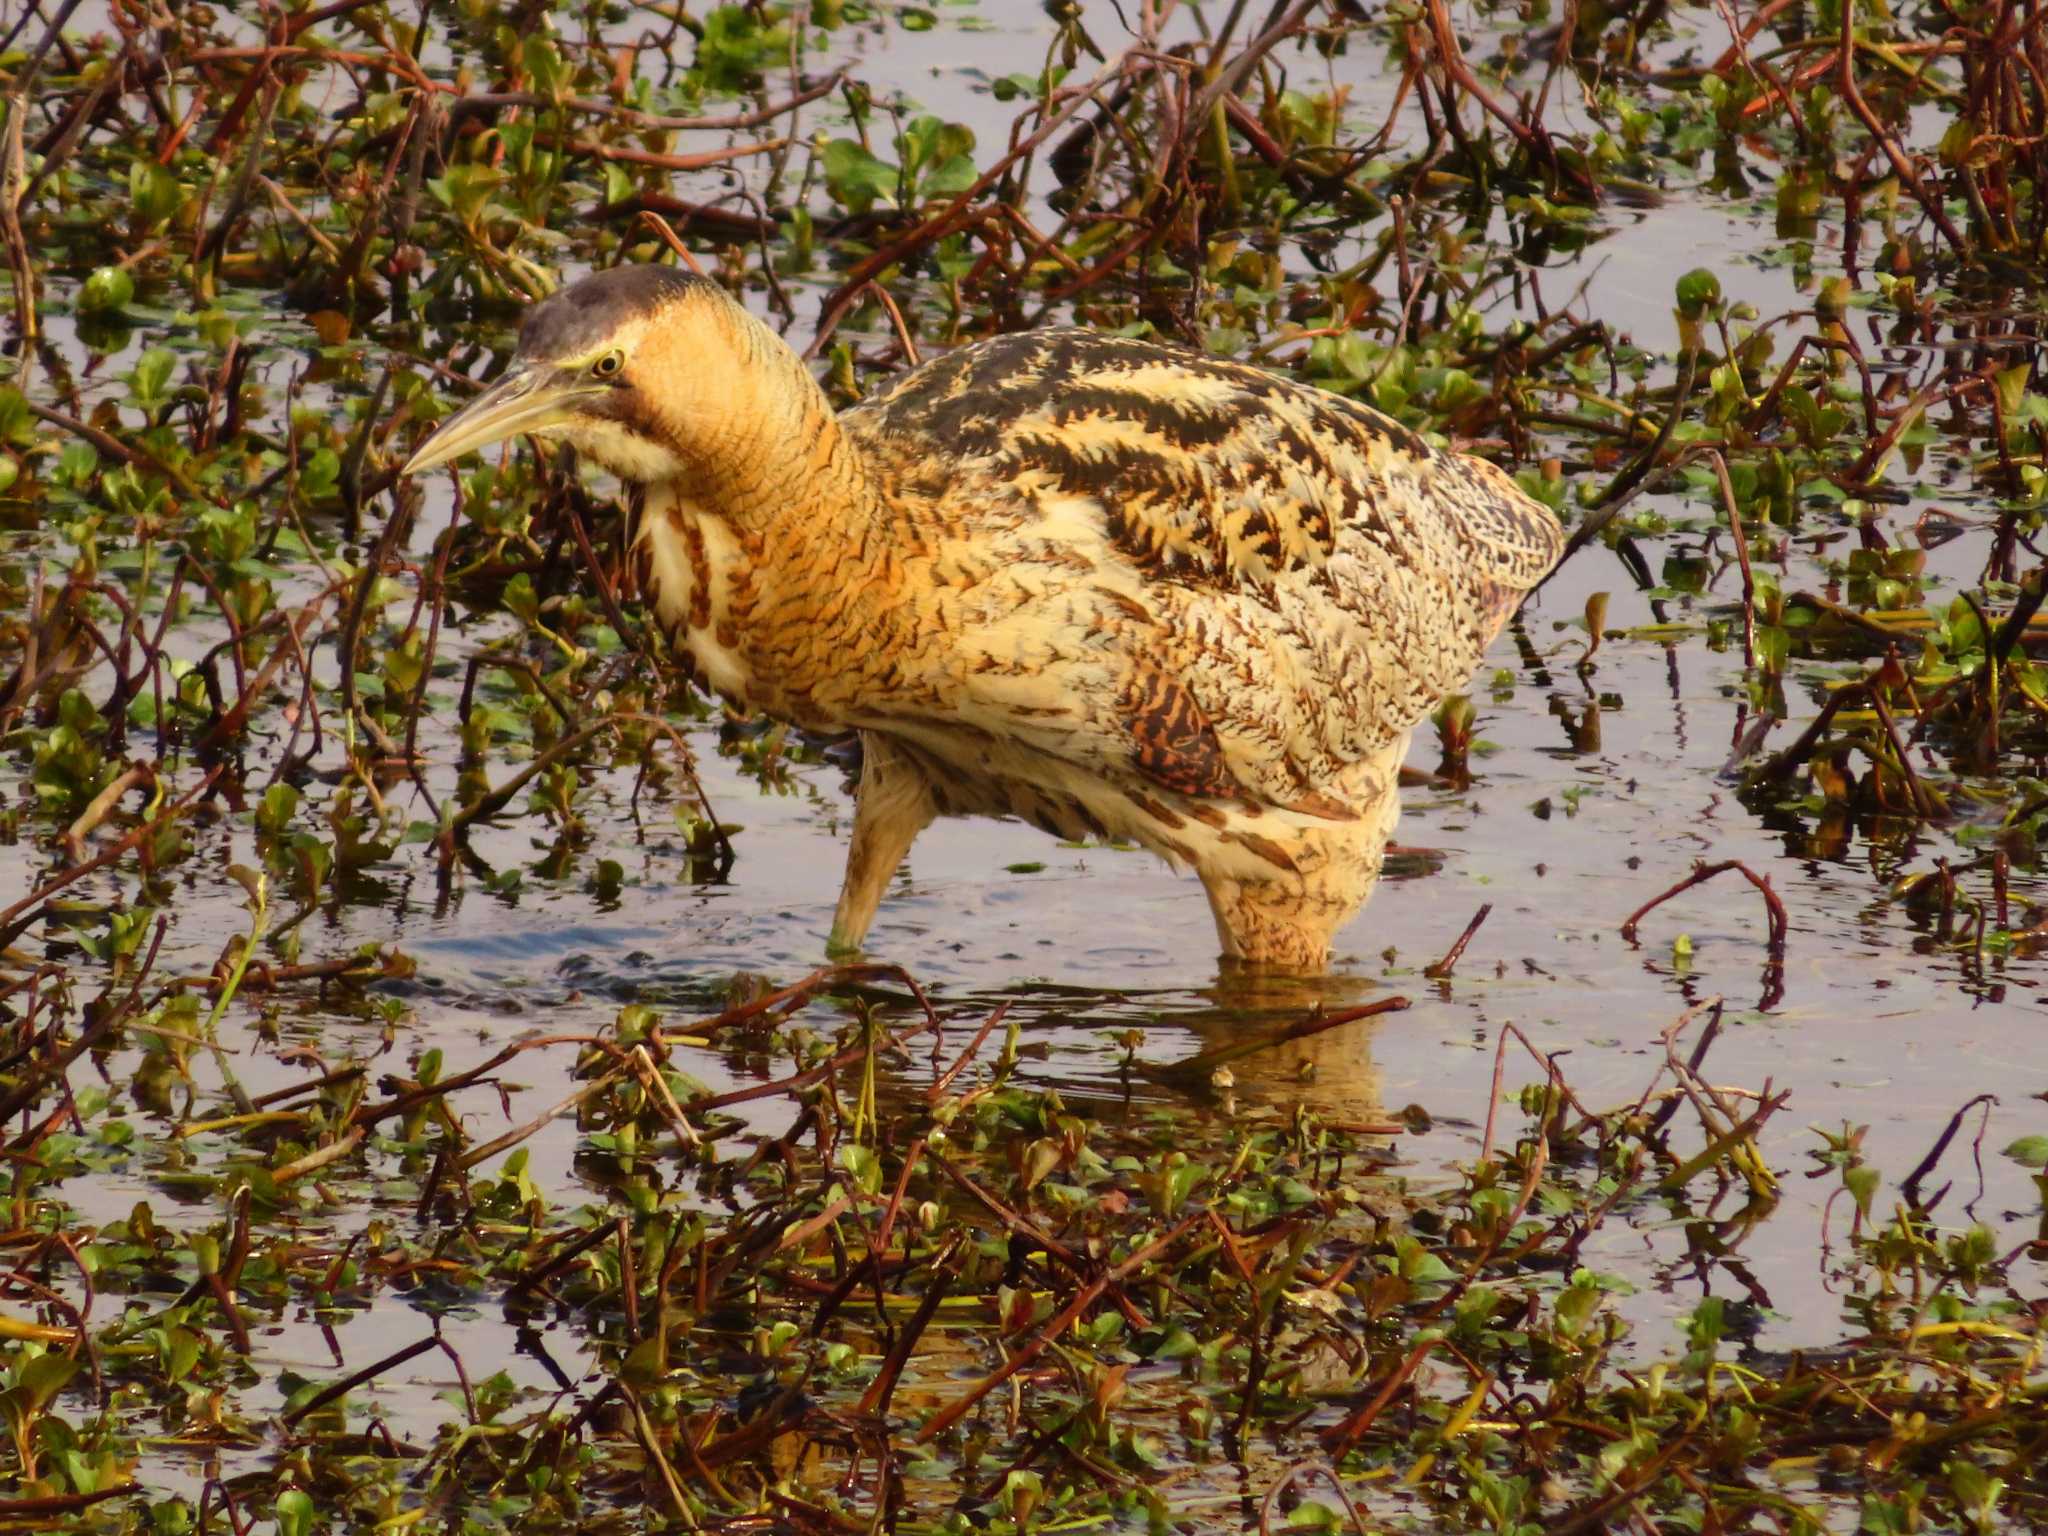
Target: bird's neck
(762,556)
(770,456)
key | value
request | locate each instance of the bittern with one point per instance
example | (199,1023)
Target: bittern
(1114,588)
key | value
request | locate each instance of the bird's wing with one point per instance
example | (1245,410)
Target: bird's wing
(1241,584)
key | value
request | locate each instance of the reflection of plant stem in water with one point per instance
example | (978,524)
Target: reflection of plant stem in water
(864,1115)
(259,903)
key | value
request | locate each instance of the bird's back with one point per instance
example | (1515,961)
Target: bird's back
(1297,574)
(1207,469)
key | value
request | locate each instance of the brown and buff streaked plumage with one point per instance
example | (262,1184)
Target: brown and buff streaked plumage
(1108,586)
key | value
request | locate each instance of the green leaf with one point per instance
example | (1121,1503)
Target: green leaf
(294,1512)
(153,190)
(543,61)
(862,1166)
(46,1375)
(2031,1150)
(275,812)
(949,178)
(107,290)
(1698,291)
(182,1353)
(735,45)
(856,177)
(151,374)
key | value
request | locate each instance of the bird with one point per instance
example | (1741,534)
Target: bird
(1114,587)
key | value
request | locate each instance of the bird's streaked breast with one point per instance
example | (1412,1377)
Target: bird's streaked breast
(689,563)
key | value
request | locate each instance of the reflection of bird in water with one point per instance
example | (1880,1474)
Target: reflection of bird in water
(1107,586)
(1330,1071)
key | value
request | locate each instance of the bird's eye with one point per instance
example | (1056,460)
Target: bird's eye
(607,366)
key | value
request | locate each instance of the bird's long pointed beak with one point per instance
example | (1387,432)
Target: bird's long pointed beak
(526,399)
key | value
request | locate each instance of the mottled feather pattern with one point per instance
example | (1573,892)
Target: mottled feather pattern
(1174,745)
(1313,574)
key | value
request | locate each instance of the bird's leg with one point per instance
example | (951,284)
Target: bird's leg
(894,804)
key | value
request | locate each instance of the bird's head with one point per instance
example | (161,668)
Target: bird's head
(623,365)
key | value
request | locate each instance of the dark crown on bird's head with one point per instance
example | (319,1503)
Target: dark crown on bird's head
(588,312)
